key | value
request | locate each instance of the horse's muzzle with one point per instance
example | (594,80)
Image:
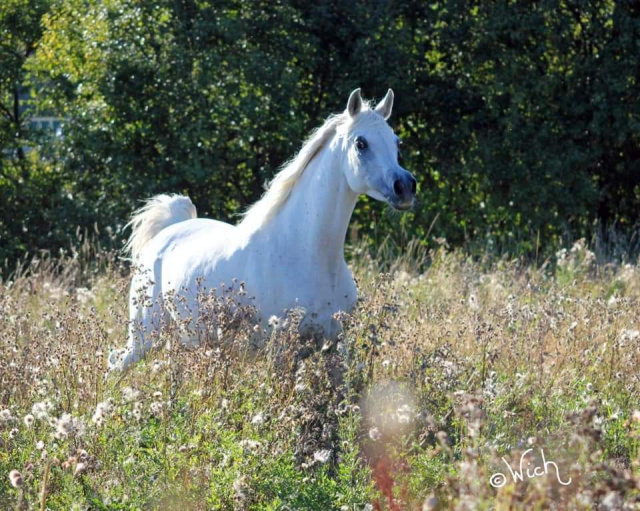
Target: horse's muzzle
(404,190)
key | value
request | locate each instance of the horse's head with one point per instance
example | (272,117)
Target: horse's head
(370,150)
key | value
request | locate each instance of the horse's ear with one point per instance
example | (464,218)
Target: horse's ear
(386,105)
(354,105)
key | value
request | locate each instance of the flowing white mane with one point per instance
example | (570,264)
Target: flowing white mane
(279,188)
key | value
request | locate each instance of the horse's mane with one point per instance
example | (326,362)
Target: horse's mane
(278,189)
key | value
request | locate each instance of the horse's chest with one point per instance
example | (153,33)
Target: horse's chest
(321,297)
(320,291)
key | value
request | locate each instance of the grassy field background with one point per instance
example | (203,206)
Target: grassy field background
(447,365)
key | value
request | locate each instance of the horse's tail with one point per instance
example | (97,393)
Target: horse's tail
(158,212)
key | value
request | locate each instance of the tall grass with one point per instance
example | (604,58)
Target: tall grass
(447,366)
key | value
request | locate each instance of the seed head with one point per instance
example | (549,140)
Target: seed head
(374,434)
(16,478)
(322,456)
(80,468)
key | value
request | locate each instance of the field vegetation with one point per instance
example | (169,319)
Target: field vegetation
(447,365)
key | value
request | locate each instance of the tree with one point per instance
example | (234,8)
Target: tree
(520,119)
(21,213)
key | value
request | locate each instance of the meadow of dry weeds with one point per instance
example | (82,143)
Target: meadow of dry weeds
(440,378)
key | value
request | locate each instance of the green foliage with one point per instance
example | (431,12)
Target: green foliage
(520,120)
(27,187)
(20,31)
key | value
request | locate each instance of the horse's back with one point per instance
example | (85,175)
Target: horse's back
(191,231)
(179,248)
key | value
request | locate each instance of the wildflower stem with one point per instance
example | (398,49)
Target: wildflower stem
(45,480)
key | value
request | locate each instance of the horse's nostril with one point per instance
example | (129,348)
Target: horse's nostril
(398,187)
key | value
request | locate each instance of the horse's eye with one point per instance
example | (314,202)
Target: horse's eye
(361,143)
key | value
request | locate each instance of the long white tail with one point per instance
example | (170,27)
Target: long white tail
(158,212)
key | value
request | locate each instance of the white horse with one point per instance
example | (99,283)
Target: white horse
(288,250)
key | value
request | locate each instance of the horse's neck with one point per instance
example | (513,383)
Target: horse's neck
(314,220)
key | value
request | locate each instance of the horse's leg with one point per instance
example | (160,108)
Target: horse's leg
(146,317)
(186,313)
